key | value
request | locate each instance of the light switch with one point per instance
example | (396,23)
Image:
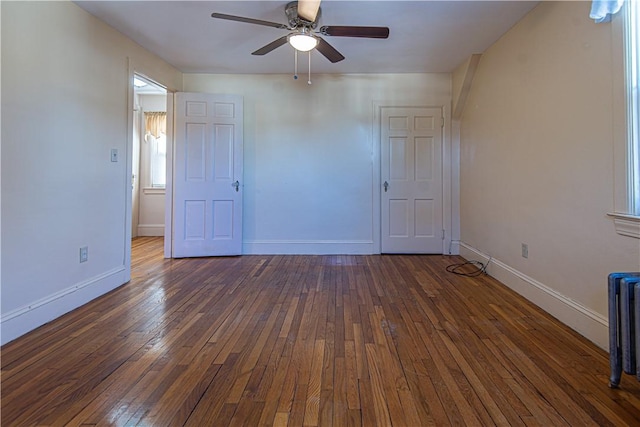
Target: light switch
(114,154)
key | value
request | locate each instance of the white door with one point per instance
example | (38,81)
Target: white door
(207,191)
(411,176)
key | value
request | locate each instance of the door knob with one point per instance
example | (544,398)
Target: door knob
(236,185)
(386,186)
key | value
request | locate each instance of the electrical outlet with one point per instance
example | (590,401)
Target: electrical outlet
(84,254)
(525,250)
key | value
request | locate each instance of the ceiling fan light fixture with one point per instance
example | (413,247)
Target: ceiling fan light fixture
(302,42)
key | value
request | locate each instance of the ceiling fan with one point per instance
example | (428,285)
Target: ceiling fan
(303,17)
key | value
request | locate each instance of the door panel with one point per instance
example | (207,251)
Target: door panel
(411,160)
(223,152)
(208,162)
(424,159)
(399,211)
(196,142)
(195,219)
(222,219)
(397,158)
(424,209)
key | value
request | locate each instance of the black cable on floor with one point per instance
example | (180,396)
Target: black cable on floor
(460,269)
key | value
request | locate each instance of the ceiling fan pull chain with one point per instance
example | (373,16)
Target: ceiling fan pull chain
(295,60)
(309,80)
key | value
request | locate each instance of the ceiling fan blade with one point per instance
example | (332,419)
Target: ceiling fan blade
(328,51)
(350,31)
(248,20)
(308,9)
(271,46)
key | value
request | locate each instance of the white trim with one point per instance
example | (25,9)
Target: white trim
(450,184)
(27,318)
(128,184)
(619,115)
(308,247)
(626,225)
(376,181)
(454,248)
(153,191)
(454,191)
(150,230)
(168,201)
(592,325)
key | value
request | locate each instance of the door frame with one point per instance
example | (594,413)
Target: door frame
(450,174)
(148,73)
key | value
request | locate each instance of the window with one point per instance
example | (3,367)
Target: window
(626,48)
(632,68)
(158,160)
(156,138)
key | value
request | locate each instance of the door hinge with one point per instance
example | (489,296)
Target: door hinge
(442,234)
(442,124)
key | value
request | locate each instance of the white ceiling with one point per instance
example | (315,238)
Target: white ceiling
(425,36)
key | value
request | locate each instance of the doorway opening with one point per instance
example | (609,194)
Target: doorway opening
(149,154)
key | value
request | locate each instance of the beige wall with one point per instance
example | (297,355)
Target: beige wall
(64,107)
(537,164)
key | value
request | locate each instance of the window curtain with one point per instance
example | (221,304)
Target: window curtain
(155,123)
(603,10)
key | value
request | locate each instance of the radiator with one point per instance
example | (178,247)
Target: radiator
(624,325)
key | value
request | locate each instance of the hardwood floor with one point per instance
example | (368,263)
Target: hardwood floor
(308,340)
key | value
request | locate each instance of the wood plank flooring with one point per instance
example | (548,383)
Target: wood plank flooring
(308,341)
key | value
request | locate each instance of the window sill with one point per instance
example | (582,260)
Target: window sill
(153,190)
(626,225)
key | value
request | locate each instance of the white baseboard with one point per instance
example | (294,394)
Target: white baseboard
(590,324)
(22,320)
(454,247)
(308,247)
(150,229)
